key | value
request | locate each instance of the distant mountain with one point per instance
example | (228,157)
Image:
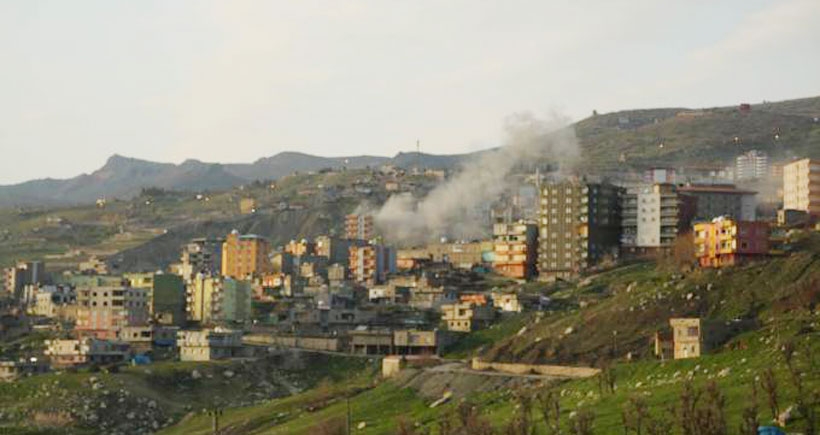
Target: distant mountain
(124,177)
(120,177)
(613,141)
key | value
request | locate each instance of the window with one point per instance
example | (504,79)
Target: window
(692,331)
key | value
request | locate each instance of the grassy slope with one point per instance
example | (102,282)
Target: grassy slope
(778,293)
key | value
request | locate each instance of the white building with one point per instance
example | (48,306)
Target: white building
(801,186)
(209,344)
(752,165)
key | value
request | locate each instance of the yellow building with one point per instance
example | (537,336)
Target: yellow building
(245,256)
(515,249)
(801,186)
(726,242)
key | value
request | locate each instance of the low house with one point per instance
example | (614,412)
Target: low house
(413,342)
(466,317)
(365,341)
(209,344)
(507,302)
(74,352)
(689,338)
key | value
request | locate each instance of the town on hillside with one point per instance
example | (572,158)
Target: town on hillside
(359,293)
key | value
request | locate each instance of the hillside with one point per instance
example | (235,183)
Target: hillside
(678,137)
(767,308)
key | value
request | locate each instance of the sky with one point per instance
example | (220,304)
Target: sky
(234,81)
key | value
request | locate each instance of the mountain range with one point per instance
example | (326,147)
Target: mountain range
(631,139)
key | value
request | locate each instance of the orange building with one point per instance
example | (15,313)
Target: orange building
(371,263)
(515,249)
(359,227)
(244,256)
(727,242)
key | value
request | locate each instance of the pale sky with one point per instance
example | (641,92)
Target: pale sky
(232,81)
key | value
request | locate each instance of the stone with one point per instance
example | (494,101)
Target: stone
(228,374)
(361,425)
(195,374)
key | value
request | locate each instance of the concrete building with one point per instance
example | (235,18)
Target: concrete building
(714,200)
(66,353)
(691,338)
(579,225)
(245,256)
(216,300)
(466,316)
(334,249)
(653,216)
(22,274)
(359,227)
(299,248)
(201,255)
(463,255)
(371,263)
(507,302)
(52,300)
(166,296)
(515,249)
(752,165)
(364,341)
(801,186)
(103,311)
(727,242)
(209,344)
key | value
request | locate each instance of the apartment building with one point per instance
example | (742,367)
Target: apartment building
(103,311)
(653,215)
(166,296)
(24,273)
(215,300)
(515,249)
(579,225)
(801,186)
(727,242)
(371,263)
(752,165)
(714,200)
(53,301)
(334,249)
(201,255)
(245,256)
(463,255)
(359,227)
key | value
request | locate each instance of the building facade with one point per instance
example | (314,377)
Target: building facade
(209,344)
(579,225)
(752,165)
(103,311)
(727,242)
(801,186)
(245,256)
(215,300)
(371,263)
(515,249)
(715,200)
(201,256)
(359,227)
(653,216)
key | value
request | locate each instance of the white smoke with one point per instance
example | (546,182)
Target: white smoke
(449,209)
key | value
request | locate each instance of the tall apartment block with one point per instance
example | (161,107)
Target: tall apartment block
(213,300)
(652,217)
(359,227)
(515,248)
(752,165)
(579,224)
(371,263)
(245,256)
(17,277)
(104,310)
(801,186)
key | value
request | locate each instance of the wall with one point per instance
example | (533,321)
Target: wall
(530,369)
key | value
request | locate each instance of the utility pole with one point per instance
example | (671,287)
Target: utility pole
(348,414)
(215,412)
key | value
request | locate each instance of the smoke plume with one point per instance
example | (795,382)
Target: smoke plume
(449,209)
